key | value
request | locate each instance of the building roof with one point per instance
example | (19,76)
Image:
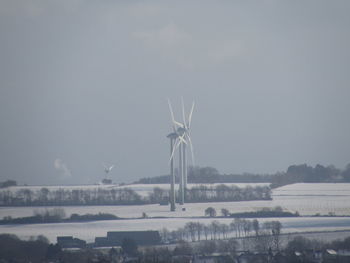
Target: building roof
(140,237)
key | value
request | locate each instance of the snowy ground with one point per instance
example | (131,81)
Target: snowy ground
(307,199)
(89,230)
(305,205)
(316,189)
(313,198)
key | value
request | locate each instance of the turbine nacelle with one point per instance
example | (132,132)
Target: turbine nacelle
(172,135)
(180,131)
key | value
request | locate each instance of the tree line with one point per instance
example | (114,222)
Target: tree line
(8,183)
(56,215)
(224,192)
(208,175)
(127,196)
(217,193)
(61,196)
(294,174)
(263,236)
(304,173)
(262,213)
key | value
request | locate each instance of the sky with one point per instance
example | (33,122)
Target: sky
(86,82)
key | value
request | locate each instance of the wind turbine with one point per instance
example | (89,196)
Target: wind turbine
(107,169)
(183,138)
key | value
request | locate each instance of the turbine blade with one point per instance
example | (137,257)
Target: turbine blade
(190,115)
(178,124)
(183,112)
(176,145)
(181,138)
(172,115)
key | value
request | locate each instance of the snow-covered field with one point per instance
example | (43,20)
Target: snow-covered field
(89,230)
(313,198)
(305,206)
(316,189)
(307,199)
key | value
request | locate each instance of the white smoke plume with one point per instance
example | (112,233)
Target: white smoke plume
(62,168)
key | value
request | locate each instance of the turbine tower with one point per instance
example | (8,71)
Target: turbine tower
(183,138)
(186,131)
(172,136)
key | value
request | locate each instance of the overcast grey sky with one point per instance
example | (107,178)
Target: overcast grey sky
(84,82)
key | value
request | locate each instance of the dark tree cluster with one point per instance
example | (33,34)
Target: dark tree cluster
(38,250)
(262,236)
(294,174)
(224,193)
(48,216)
(304,173)
(46,197)
(219,193)
(208,175)
(8,183)
(12,249)
(127,196)
(265,212)
(92,217)
(56,215)
(200,175)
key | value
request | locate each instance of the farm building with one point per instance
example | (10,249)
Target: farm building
(141,238)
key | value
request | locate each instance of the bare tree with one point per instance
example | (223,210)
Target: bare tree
(247,226)
(233,227)
(224,230)
(215,227)
(206,231)
(237,225)
(200,228)
(191,228)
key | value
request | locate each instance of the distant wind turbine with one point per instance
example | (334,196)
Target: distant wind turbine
(179,139)
(107,169)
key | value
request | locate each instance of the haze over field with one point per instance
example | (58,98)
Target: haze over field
(85,82)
